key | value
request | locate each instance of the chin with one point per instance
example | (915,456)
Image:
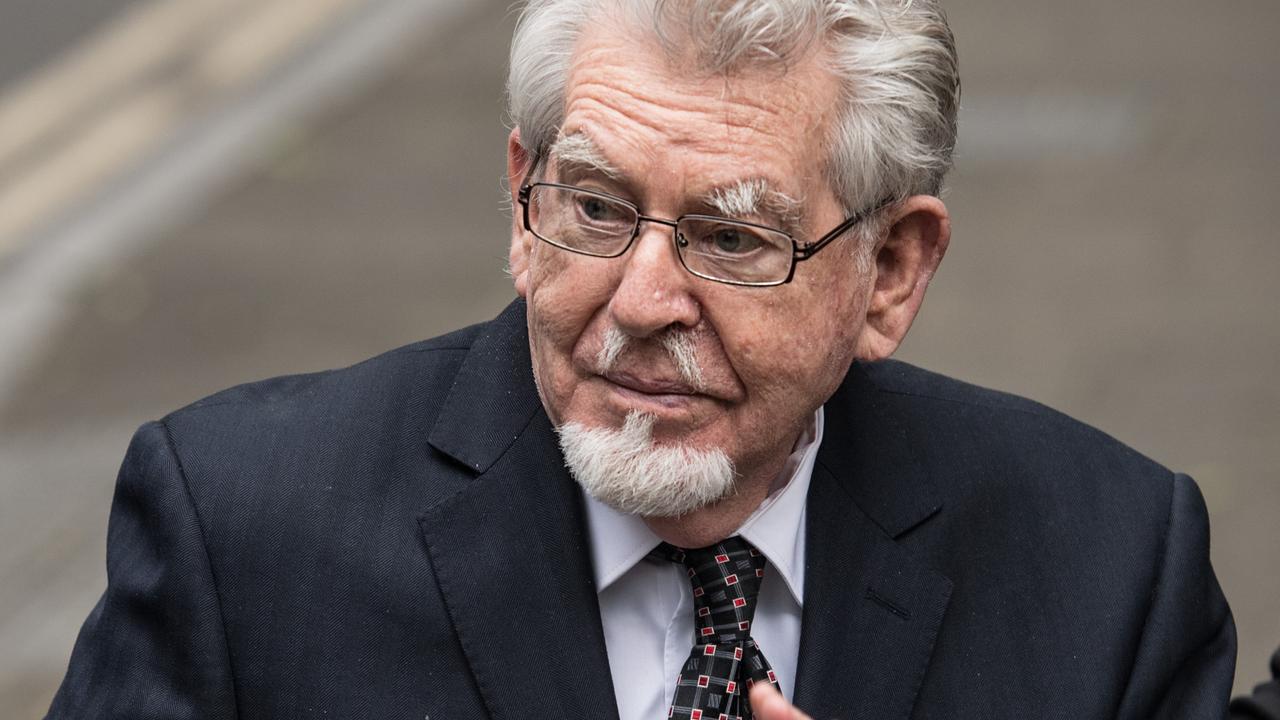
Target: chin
(625,469)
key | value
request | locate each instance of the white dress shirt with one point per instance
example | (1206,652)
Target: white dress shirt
(647,606)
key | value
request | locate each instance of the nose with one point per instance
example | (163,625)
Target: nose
(655,291)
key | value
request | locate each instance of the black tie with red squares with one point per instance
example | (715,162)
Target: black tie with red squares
(726,581)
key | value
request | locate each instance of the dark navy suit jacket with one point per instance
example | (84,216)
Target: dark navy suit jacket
(400,539)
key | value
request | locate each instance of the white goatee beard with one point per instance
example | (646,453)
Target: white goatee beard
(626,471)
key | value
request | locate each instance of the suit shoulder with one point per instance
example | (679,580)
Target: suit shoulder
(1059,541)
(1019,479)
(421,369)
(900,378)
(1017,432)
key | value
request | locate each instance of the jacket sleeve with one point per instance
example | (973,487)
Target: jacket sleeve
(1186,657)
(154,646)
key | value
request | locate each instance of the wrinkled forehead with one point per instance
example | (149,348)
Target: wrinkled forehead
(633,94)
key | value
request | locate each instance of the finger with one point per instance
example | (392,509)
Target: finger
(768,704)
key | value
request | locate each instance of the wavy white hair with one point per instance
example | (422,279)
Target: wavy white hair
(896,58)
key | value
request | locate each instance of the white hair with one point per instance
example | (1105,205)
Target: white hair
(753,196)
(679,345)
(614,341)
(896,60)
(625,470)
(676,341)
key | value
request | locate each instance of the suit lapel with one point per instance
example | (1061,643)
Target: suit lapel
(872,610)
(511,555)
(510,550)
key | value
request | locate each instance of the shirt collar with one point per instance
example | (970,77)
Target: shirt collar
(776,528)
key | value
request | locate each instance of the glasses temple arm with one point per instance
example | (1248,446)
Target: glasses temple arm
(804,252)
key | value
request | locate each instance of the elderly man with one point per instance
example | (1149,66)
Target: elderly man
(678,476)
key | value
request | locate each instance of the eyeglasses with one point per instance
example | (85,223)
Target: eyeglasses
(714,248)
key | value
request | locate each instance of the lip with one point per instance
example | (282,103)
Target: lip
(651,391)
(649,386)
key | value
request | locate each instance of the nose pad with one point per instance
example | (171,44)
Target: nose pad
(680,242)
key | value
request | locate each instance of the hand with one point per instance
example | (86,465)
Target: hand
(768,704)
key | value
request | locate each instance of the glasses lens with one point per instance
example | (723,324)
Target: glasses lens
(581,220)
(732,252)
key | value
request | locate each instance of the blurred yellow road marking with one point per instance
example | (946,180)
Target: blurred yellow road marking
(124,51)
(120,94)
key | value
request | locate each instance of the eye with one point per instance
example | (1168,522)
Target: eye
(598,210)
(731,241)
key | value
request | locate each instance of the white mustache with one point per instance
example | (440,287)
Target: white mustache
(678,344)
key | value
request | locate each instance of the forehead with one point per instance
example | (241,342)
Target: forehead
(650,114)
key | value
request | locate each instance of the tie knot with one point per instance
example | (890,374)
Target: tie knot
(726,581)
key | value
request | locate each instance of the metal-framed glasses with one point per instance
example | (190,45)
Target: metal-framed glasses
(715,248)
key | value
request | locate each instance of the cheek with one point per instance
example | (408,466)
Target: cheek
(566,292)
(557,301)
(798,355)
(770,355)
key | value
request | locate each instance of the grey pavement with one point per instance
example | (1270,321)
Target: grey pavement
(1114,256)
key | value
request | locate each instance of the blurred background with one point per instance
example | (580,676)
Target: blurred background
(198,193)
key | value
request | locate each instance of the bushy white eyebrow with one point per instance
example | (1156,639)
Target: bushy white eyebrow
(755,197)
(578,150)
(748,198)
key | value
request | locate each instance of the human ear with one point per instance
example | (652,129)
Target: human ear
(518,161)
(905,260)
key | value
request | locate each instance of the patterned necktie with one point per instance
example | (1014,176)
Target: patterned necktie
(726,580)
